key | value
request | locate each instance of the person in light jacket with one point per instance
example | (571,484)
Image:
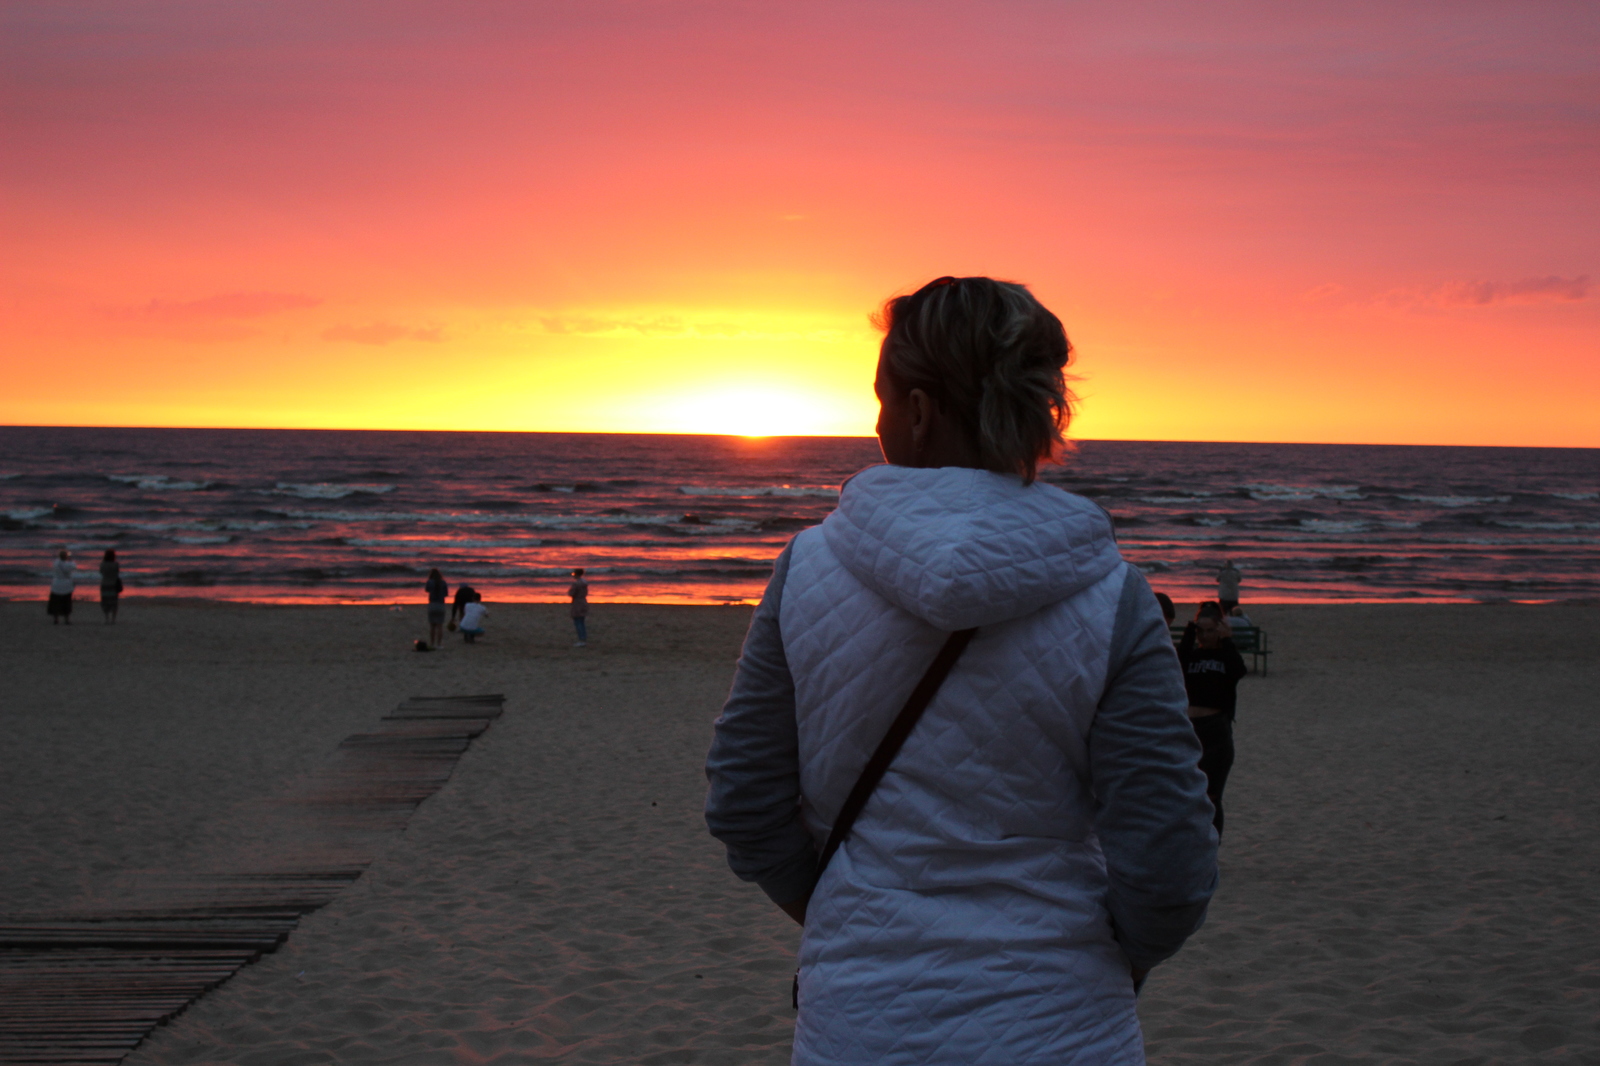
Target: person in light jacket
(61,585)
(1043,838)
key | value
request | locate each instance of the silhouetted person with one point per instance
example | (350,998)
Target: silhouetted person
(464,595)
(60,606)
(110,585)
(1212,668)
(578,593)
(437,592)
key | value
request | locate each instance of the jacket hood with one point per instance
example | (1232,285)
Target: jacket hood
(959,547)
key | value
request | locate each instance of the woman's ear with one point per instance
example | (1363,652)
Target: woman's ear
(920,411)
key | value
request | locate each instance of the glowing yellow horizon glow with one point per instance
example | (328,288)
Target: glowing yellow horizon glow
(752,371)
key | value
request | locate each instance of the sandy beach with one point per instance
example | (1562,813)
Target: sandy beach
(1409,873)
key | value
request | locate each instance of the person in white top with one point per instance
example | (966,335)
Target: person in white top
(472,616)
(60,606)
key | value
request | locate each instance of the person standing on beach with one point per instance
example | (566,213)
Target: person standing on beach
(110,585)
(1228,586)
(61,584)
(578,593)
(1212,667)
(1042,838)
(437,592)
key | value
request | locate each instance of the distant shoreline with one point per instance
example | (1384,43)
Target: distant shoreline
(784,436)
(133,599)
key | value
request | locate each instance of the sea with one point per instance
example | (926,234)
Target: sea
(324,516)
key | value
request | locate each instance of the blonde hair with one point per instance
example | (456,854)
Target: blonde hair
(994,357)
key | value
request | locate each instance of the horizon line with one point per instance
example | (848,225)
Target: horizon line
(781,436)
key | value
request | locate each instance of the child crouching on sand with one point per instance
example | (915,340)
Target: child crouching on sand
(472,616)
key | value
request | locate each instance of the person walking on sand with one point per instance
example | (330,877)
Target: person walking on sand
(61,583)
(1042,838)
(578,593)
(1228,586)
(110,585)
(1212,667)
(437,591)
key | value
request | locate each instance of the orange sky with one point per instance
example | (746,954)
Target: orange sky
(1259,221)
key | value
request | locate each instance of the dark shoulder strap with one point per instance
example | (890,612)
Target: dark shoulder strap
(889,747)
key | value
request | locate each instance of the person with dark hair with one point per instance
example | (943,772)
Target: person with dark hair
(578,593)
(1168,610)
(464,595)
(110,585)
(1212,667)
(437,592)
(991,878)
(61,585)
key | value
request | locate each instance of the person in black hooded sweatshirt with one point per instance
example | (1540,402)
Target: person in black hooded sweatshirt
(1212,668)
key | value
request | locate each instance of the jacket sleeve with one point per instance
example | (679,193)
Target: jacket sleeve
(1236,666)
(1151,811)
(753,803)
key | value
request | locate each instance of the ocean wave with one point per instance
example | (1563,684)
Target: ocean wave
(1333,525)
(1554,527)
(1558,495)
(1456,501)
(158,482)
(556,521)
(215,525)
(1272,493)
(759,490)
(236,525)
(1209,520)
(578,486)
(407,542)
(23,514)
(204,540)
(324,490)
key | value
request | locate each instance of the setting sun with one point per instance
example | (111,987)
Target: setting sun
(753,411)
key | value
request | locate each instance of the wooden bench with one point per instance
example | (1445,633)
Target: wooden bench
(1250,640)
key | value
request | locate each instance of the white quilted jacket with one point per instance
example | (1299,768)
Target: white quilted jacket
(963,921)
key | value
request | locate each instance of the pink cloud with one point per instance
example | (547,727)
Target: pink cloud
(382,333)
(1546,290)
(1550,289)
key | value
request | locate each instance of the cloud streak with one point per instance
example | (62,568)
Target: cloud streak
(1467,295)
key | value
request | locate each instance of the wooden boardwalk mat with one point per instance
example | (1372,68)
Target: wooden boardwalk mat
(86,986)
